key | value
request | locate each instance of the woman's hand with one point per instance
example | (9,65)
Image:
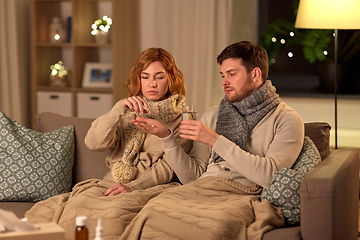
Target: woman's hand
(198,131)
(136,104)
(117,189)
(151,126)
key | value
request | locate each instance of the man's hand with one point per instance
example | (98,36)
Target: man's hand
(198,131)
(117,189)
(151,126)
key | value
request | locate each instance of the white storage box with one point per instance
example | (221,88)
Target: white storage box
(46,231)
(56,102)
(92,105)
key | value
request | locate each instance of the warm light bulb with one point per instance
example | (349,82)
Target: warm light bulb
(290,54)
(57,37)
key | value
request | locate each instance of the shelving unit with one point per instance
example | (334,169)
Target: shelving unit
(81,48)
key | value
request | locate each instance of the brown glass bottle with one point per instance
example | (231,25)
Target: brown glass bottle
(81,232)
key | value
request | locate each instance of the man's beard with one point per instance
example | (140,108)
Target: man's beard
(235,97)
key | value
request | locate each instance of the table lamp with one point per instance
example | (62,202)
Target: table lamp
(329,14)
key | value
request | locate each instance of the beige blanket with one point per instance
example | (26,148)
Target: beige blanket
(87,198)
(209,209)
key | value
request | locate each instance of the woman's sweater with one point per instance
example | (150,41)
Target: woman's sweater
(107,131)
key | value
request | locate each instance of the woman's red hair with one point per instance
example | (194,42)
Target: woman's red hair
(174,75)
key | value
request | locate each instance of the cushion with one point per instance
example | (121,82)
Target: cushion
(319,133)
(284,189)
(87,163)
(33,165)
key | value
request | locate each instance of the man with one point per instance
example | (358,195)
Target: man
(243,141)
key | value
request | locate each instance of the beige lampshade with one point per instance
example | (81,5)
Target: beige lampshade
(328,14)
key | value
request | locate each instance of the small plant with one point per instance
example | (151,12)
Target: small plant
(101,24)
(58,69)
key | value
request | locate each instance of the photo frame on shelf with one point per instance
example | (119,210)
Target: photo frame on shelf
(97,75)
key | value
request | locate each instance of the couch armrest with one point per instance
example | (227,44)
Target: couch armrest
(329,198)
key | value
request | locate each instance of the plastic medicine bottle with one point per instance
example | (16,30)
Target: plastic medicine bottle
(99,231)
(81,232)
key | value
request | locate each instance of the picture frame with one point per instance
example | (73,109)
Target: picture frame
(97,75)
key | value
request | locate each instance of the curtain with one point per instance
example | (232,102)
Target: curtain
(194,32)
(14,60)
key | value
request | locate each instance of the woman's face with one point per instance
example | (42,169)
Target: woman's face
(154,84)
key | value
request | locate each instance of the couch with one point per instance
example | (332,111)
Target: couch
(329,194)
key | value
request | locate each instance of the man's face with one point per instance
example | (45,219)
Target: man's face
(237,83)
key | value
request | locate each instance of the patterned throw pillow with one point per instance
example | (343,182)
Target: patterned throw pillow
(34,165)
(284,190)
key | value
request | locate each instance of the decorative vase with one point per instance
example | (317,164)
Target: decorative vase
(57,81)
(102,37)
(56,31)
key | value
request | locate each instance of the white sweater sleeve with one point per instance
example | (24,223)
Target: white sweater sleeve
(190,166)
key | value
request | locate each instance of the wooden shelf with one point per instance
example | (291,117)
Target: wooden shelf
(121,51)
(92,45)
(82,48)
(58,89)
(98,90)
(49,44)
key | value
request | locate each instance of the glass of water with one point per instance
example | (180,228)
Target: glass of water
(190,112)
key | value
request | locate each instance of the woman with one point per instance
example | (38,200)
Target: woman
(136,161)
(156,88)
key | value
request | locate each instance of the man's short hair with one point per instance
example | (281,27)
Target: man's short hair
(251,56)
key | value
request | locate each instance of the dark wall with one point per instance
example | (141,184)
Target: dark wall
(298,67)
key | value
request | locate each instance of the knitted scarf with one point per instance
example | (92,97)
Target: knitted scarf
(236,120)
(164,111)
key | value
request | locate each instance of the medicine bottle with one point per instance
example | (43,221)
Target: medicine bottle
(98,231)
(81,232)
